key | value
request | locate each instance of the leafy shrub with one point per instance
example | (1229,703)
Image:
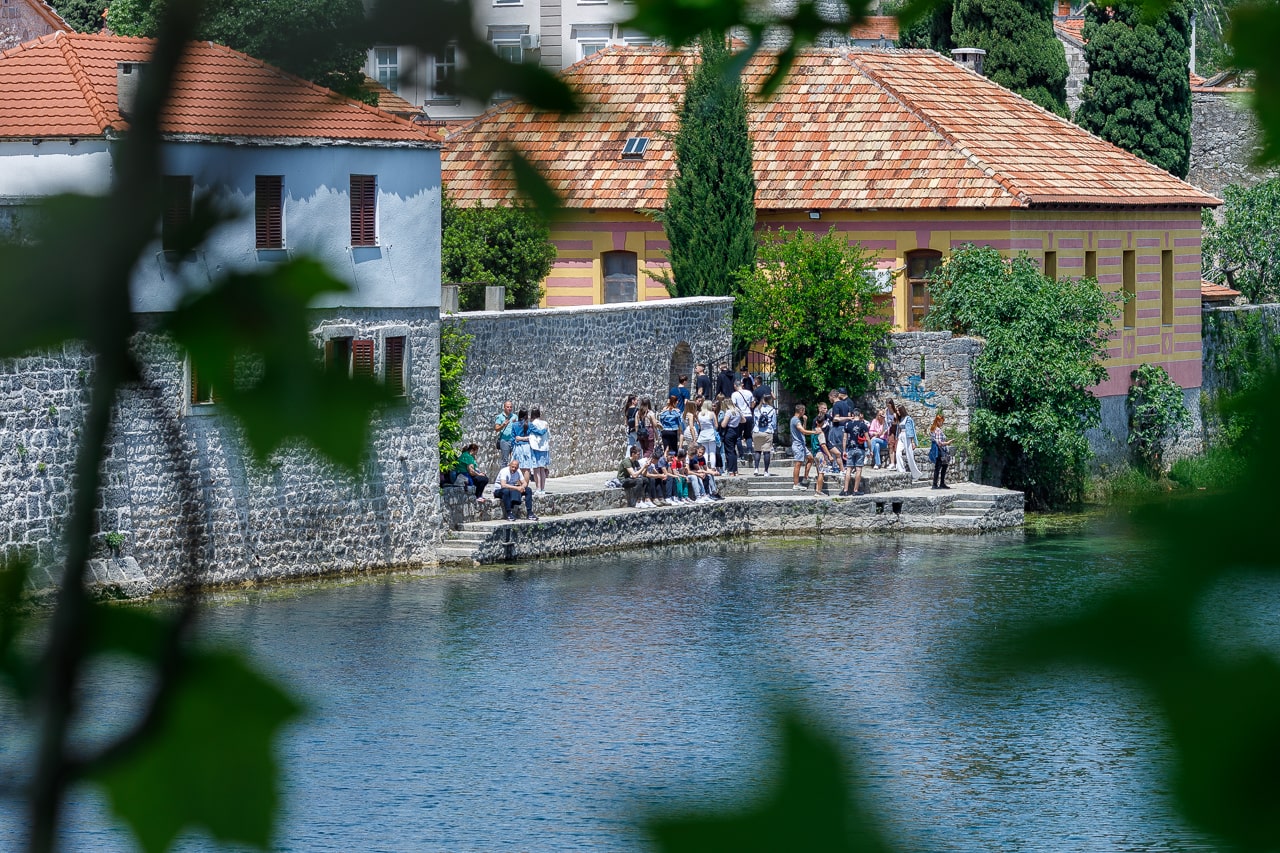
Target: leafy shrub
(454,343)
(1045,342)
(507,246)
(1157,415)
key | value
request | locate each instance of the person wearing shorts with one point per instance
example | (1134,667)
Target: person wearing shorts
(800,449)
(855,453)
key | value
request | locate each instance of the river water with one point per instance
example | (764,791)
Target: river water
(547,707)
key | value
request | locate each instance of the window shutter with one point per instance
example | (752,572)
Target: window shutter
(364,197)
(175,191)
(195,385)
(393,368)
(362,358)
(269,211)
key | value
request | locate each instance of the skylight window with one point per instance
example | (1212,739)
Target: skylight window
(635,147)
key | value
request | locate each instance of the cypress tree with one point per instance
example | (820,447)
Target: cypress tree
(710,212)
(1023,54)
(1138,95)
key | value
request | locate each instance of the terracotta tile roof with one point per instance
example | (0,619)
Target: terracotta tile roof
(1072,28)
(1211,292)
(847,130)
(64,85)
(875,27)
(389,101)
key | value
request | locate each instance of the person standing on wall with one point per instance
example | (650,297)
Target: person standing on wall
(681,391)
(907,443)
(702,383)
(504,426)
(540,450)
(763,425)
(939,452)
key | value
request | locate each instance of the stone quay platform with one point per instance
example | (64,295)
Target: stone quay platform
(579,515)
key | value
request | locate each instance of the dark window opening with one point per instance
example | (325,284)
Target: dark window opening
(268,211)
(176,195)
(337,356)
(1051,265)
(364,209)
(1091,265)
(1130,288)
(620,270)
(919,264)
(1166,288)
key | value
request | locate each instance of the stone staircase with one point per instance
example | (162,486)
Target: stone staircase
(969,507)
(459,546)
(873,481)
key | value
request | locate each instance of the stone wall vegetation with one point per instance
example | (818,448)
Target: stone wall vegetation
(1225,142)
(180,484)
(577,363)
(1241,347)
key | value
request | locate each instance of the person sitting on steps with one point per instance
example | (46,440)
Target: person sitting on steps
(512,485)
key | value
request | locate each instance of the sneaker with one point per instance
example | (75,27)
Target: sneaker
(532,518)
(539,493)
(799,488)
(511,516)
(643,505)
(717,497)
(755,473)
(843,493)
(705,499)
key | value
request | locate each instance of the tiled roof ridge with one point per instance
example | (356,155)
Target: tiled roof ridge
(67,47)
(320,89)
(951,140)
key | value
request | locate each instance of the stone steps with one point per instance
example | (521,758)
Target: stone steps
(969,507)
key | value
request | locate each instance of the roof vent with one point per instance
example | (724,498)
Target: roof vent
(969,57)
(128,81)
(635,148)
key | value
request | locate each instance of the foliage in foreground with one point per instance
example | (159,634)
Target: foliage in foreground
(710,214)
(1157,416)
(1244,249)
(320,40)
(1138,95)
(507,246)
(1023,54)
(810,299)
(1045,343)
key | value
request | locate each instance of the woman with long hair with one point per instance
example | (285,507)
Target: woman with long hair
(629,408)
(540,450)
(939,452)
(520,443)
(689,425)
(646,427)
(907,444)
(730,422)
(669,420)
(707,437)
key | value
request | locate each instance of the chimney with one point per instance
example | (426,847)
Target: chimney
(969,57)
(128,81)
(1064,8)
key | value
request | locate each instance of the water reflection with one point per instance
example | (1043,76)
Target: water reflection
(538,708)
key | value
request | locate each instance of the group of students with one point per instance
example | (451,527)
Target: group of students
(841,442)
(667,477)
(728,420)
(523,441)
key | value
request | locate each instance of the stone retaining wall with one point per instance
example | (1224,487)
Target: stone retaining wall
(179,483)
(577,363)
(1224,142)
(928,372)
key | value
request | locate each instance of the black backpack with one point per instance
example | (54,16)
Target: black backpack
(764,422)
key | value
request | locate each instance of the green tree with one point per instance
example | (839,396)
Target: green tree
(812,302)
(931,31)
(1045,343)
(1138,95)
(710,213)
(84,16)
(1244,249)
(324,41)
(1157,415)
(1023,54)
(508,246)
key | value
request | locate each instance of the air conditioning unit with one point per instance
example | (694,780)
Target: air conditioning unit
(531,41)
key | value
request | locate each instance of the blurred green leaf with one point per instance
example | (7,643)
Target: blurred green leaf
(209,765)
(248,335)
(812,808)
(1255,32)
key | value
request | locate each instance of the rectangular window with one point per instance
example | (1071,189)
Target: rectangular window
(387,66)
(1051,265)
(1091,265)
(176,194)
(393,365)
(920,263)
(444,70)
(268,211)
(586,48)
(364,210)
(509,50)
(1166,288)
(1129,288)
(203,391)
(362,358)
(337,356)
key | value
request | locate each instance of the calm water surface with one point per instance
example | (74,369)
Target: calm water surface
(544,708)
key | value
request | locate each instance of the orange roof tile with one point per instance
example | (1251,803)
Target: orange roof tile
(1072,28)
(847,130)
(389,101)
(64,85)
(875,27)
(1216,292)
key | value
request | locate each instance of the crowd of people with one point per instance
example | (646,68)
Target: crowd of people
(675,452)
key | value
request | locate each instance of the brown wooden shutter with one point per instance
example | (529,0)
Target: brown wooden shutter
(195,385)
(393,365)
(175,191)
(362,358)
(269,211)
(364,208)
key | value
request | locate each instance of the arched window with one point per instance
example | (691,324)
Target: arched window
(681,365)
(920,263)
(619,276)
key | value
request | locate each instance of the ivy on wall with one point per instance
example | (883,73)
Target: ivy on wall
(454,343)
(1243,349)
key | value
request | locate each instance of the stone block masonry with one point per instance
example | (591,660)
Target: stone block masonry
(928,372)
(577,363)
(179,482)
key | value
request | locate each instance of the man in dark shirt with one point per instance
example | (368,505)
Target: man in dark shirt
(681,392)
(702,383)
(855,442)
(724,382)
(748,383)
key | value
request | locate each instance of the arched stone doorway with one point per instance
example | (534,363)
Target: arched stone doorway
(681,365)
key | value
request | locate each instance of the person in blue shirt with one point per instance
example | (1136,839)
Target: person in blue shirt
(681,392)
(505,427)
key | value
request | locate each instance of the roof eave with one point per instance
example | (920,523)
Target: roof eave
(299,141)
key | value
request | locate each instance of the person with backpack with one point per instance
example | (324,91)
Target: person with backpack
(762,435)
(855,446)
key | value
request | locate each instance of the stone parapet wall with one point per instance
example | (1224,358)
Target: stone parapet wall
(928,372)
(180,485)
(577,363)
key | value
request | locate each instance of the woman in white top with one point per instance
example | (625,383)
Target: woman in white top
(707,431)
(540,450)
(766,421)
